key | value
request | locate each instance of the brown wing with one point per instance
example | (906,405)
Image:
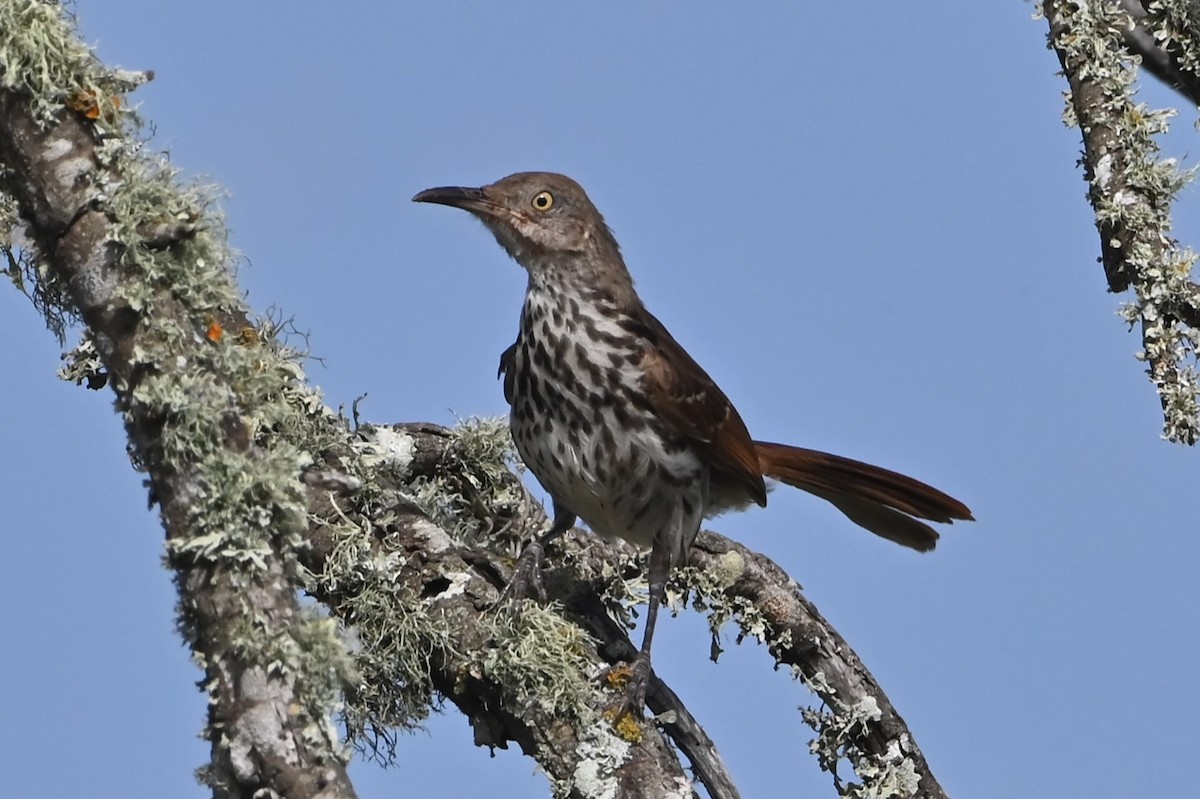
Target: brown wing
(693,406)
(506,371)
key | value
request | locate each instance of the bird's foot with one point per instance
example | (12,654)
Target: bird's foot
(631,680)
(526,581)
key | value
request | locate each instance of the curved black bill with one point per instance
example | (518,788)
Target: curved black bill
(456,196)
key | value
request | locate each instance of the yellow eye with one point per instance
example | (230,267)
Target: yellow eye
(543,201)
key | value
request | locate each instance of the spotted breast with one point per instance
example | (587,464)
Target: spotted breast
(582,423)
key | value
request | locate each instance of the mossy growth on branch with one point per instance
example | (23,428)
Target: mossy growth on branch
(540,659)
(537,661)
(43,56)
(395,636)
(1176,27)
(220,418)
(1132,189)
(477,498)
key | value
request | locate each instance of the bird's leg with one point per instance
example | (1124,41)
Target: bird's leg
(639,671)
(527,574)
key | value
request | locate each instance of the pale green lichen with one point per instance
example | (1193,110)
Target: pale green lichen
(1175,25)
(540,659)
(10,216)
(706,589)
(29,274)
(601,753)
(387,449)
(476,498)
(485,442)
(41,54)
(82,364)
(839,728)
(398,634)
(246,519)
(1132,189)
(537,659)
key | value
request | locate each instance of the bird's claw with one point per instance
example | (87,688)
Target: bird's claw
(631,680)
(526,581)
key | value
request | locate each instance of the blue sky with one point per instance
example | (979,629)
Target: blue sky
(867,224)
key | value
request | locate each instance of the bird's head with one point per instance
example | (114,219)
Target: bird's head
(544,220)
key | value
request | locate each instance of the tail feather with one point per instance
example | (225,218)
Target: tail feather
(879,500)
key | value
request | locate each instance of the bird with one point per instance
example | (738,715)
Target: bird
(622,427)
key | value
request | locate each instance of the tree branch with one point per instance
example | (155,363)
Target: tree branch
(1131,191)
(421,599)
(196,407)
(859,722)
(731,582)
(1169,61)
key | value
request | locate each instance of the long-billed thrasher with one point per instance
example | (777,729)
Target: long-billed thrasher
(618,423)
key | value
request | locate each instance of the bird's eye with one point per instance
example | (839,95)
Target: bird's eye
(543,201)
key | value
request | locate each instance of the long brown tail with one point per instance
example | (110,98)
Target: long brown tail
(879,500)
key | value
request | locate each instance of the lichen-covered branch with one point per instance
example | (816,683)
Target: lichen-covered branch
(413,560)
(857,724)
(212,419)
(1167,44)
(1131,191)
